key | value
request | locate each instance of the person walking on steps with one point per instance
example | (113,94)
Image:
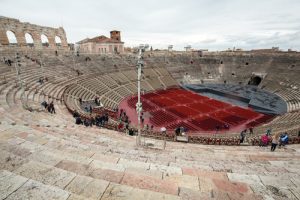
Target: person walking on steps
(275,140)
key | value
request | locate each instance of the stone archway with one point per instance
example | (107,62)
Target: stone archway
(20,29)
(255,80)
(29,40)
(44,40)
(12,39)
(57,41)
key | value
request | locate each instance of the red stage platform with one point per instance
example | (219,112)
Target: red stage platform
(199,114)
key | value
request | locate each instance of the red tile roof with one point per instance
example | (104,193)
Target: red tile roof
(99,39)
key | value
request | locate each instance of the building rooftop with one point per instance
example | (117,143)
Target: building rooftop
(99,39)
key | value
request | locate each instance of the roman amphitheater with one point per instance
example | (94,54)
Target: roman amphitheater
(48,156)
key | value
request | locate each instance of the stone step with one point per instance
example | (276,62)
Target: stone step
(63,150)
(13,186)
(138,164)
(128,178)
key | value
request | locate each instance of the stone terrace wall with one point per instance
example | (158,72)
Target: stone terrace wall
(20,29)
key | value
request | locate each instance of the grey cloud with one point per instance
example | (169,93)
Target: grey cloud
(215,25)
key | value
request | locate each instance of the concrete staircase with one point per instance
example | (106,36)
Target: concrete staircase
(89,163)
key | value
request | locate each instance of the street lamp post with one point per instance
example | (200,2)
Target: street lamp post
(139,108)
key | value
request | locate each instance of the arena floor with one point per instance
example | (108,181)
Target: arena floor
(178,107)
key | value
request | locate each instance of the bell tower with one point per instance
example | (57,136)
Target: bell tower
(116,35)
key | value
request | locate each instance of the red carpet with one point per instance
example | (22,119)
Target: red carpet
(199,114)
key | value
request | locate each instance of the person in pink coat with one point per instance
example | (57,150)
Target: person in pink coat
(264,140)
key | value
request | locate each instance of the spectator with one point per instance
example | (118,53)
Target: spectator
(269,131)
(105,118)
(44,104)
(98,120)
(284,139)
(96,101)
(120,126)
(9,62)
(126,119)
(127,128)
(78,120)
(151,128)
(51,108)
(251,130)
(242,136)
(275,140)
(163,131)
(264,141)
(93,121)
(80,101)
(41,81)
(177,131)
(75,114)
(131,132)
(86,122)
(146,127)
(226,126)
(142,119)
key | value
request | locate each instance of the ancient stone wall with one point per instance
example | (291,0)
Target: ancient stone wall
(20,29)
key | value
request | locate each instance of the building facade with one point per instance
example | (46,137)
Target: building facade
(102,44)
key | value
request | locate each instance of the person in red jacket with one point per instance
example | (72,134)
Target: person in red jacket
(264,140)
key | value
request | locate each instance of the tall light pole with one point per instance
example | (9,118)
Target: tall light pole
(139,108)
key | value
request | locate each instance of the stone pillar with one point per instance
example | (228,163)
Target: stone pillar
(64,42)
(51,39)
(63,38)
(36,39)
(20,36)
(3,37)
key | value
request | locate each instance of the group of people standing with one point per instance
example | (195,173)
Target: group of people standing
(49,107)
(99,120)
(276,140)
(279,139)
(8,62)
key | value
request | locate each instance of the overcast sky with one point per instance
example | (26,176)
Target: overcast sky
(203,24)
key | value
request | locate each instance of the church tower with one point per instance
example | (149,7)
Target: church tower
(116,35)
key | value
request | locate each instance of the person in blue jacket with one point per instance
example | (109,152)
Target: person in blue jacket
(284,139)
